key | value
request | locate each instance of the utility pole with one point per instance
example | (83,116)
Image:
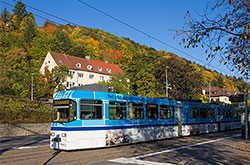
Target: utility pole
(166,81)
(246,116)
(209,90)
(32,74)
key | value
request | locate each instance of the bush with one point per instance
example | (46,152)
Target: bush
(14,110)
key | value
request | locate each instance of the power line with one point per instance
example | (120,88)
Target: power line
(116,19)
(144,33)
(44,12)
(34,14)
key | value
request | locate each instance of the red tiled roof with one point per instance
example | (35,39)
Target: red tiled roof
(72,61)
(216,91)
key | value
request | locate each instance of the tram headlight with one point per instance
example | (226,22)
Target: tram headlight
(52,134)
(64,134)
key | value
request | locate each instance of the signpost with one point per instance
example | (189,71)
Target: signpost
(242,98)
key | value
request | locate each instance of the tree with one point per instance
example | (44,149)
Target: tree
(14,72)
(59,75)
(41,45)
(64,40)
(223,30)
(142,71)
(78,51)
(29,29)
(18,15)
(119,82)
(183,81)
(48,23)
(5,16)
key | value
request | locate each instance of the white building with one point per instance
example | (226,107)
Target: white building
(218,94)
(83,70)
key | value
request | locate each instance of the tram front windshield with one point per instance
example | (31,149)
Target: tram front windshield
(64,110)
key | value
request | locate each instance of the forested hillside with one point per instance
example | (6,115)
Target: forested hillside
(24,46)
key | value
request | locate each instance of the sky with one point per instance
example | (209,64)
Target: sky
(158,18)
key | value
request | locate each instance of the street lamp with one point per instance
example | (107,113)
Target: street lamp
(166,81)
(32,74)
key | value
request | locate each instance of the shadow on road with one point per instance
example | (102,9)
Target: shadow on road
(53,156)
(10,143)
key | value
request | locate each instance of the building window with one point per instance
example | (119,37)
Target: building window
(47,63)
(152,111)
(70,84)
(71,72)
(102,78)
(60,61)
(136,111)
(80,74)
(117,110)
(89,67)
(108,70)
(90,109)
(99,68)
(91,76)
(78,65)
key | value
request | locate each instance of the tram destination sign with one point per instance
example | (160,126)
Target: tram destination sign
(61,102)
(237,98)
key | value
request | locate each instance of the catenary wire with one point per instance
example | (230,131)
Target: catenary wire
(33,13)
(148,35)
(122,22)
(52,15)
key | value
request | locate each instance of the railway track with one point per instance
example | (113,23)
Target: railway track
(44,155)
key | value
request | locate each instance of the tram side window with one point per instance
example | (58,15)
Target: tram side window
(90,109)
(210,113)
(230,113)
(165,112)
(172,112)
(152,111)
(64,110)
(194,114)
(227,113)
(136,111)
(235,113)
(238,113)
(203,113)
(117,110)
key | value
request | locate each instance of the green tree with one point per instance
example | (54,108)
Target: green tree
(29,29)
(142,71)
(183,81)
(15,70)
(41,45)
(5,16)
(224,30)
(18,15)
(59,75)
(78,51)
(9,41)
(220,82)
(119,82)
(64,40)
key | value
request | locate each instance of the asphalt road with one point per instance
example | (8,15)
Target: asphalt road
(23,142)
(217,148)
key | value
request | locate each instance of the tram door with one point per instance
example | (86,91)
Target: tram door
(179,119)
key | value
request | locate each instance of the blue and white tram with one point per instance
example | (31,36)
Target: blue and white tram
(91,119)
